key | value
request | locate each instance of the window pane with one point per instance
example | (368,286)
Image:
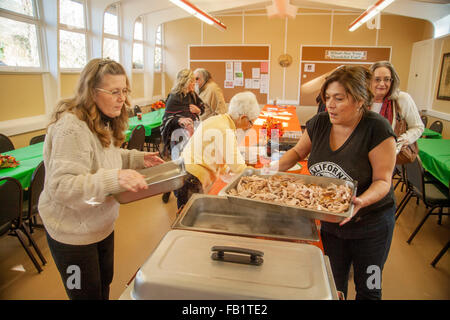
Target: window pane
(138,56)
(18,44)
(158,59)
(111,21)
(19,6)
(158,35)
(72,49)
(71,13)
(138,30)
(111,49)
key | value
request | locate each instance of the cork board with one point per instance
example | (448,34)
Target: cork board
(316,65)
(214,58)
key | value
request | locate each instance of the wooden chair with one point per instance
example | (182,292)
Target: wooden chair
(5,143)
(11,195)
(37,139)
(137,138)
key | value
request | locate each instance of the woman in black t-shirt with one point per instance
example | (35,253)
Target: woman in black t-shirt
(350,142)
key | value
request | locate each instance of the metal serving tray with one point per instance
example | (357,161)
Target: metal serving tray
(215,214)
(287,209)
(162,178)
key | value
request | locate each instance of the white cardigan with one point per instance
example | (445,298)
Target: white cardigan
(411,114)
(79,175)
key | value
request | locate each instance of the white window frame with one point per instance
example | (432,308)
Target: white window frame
(161,46)
(119,29)
(65,27)
(138,42)
(35,19)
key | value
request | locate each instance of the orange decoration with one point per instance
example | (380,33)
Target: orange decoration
(274,128)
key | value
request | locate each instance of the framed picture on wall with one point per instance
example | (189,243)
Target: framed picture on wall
(444,79)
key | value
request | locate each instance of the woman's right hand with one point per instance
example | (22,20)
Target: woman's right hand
(187,124)
(132,180)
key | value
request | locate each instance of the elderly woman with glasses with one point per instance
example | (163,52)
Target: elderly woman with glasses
(213,149)
(388,99)
(84,165)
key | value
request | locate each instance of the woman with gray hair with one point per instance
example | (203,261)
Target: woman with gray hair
(388,99)
(213,149)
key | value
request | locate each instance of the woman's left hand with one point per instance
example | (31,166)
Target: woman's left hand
(358,205)
(194,109)
(152,159)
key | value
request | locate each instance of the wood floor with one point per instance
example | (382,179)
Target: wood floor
(141,225)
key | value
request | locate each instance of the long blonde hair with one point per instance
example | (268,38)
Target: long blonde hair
(184,77)
(83,106)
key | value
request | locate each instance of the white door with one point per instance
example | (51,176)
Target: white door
(419,81)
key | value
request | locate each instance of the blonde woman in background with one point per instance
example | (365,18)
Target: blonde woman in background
(83,165)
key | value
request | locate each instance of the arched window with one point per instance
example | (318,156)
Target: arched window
(158,49)
(138,45)
(72,34)
(19,36)
(111,32)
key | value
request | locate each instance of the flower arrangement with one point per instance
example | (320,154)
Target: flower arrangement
(274,128)
(158,105)
(8,162)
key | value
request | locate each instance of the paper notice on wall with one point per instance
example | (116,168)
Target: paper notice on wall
(255,73)
(229,75)
(264,66)
(229,66)
(228,84)
(237,66)
(255,83)
(248,84)
(310,67)
(264,83)
(238,78)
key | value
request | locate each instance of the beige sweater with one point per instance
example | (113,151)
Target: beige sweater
(80,174)
(211,94)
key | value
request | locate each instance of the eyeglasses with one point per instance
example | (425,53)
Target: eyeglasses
(385,80)
(116,93)
(250,121)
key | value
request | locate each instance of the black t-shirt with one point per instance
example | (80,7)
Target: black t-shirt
(351,160)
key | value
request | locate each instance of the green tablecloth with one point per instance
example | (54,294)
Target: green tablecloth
(149,120)
(428,133)
(29,158)
(435,156)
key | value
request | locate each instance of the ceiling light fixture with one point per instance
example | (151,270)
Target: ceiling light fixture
(199,13)
(371,12)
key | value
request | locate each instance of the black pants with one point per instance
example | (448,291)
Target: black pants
(86,270)
(191,185)
(367,255)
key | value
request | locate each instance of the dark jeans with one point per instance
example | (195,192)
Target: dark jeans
(191,185)
(367,255)
(86,270)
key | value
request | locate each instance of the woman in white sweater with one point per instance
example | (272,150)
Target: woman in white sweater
(84,165)
(385,86)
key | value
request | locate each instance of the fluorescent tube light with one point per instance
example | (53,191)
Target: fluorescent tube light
(199,14)
(371,12)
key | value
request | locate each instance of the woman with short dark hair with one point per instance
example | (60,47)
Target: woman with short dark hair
(351,143)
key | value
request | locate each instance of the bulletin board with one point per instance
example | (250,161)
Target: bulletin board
(317,62)
(214,58)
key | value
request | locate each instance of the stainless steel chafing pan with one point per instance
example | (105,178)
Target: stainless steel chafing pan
(215,214)
(162,178)
(287,209)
